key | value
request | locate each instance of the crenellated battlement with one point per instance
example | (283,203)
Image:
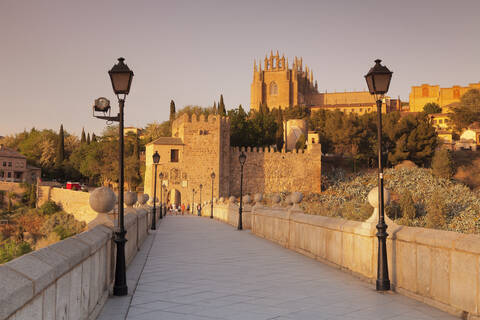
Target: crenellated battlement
(262,150)
(201,119)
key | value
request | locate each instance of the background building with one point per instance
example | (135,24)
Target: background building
(14,167)
(444,97)
(278,86)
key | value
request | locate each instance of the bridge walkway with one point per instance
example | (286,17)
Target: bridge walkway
(198,268)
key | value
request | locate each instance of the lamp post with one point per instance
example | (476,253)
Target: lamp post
(121,77)
(164,204)
(161,194)
(378,81)
(242,158)
(156,160)
(200,202)
(211,209)
(193,201)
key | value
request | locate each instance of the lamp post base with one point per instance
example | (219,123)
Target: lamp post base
(120,287)
(383,285)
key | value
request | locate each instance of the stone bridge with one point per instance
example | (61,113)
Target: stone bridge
(285,265)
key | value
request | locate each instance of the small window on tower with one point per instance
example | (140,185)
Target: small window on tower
(174,155)
(273,88)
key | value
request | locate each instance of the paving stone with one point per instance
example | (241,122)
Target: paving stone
(199,268)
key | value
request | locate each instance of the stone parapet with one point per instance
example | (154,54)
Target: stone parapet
(440,268)
(70,279)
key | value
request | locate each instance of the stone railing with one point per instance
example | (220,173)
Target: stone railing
(440,268)
(71,279)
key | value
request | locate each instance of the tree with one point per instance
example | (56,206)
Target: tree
(221,107)
(432,107)
(60,147)
(301,142)
(94,137)
(279,134)
(172,110)
(156,130)
(214,110)
(407,206)
(468,110)
(415,139)
(442,164)
(88,138)
(83,139)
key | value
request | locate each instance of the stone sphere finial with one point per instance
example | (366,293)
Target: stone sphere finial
(130,198)
(142,199)
(288,199)
(276,199)
(247,199)
(296,197)
(258,197)
(373,197)
(232,199)
(102,200)
(221,200)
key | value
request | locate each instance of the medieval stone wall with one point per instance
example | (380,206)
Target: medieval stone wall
(266,171)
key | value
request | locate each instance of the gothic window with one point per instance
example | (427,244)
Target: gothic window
(424,92)
(273,88)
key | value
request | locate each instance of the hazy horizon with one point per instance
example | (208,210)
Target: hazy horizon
(56,54)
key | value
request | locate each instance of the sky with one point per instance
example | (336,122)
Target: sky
(55,54)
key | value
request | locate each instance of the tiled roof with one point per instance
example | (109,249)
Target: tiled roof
(168,141)
(10,153)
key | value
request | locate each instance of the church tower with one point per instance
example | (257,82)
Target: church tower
(277,86)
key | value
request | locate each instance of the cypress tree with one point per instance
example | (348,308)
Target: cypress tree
(61,147)
(172,110)
(83,139)
(279,133)
(221,107)
(94,137)
(88,138)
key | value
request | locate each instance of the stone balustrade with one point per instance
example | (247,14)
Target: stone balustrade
(70,279)
(440,268)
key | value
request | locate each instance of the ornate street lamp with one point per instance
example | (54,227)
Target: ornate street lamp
(242,158)
(156,160)
(161,194)
(378,82)
(200,202)
(121,77)
(211,209)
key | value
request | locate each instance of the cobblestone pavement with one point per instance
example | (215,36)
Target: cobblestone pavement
(203,269)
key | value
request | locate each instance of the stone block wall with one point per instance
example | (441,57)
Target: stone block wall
(266,171)
(70,279)
(440,268)
(73,202)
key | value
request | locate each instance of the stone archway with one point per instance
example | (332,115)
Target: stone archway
(174,197)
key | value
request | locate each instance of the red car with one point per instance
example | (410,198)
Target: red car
(73,186)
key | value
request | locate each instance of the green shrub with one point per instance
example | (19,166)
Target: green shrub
(436,213)
(393,210)
(407,206)
(355,211)
(63,224)
(10,249)
(442,164)
(49,208)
